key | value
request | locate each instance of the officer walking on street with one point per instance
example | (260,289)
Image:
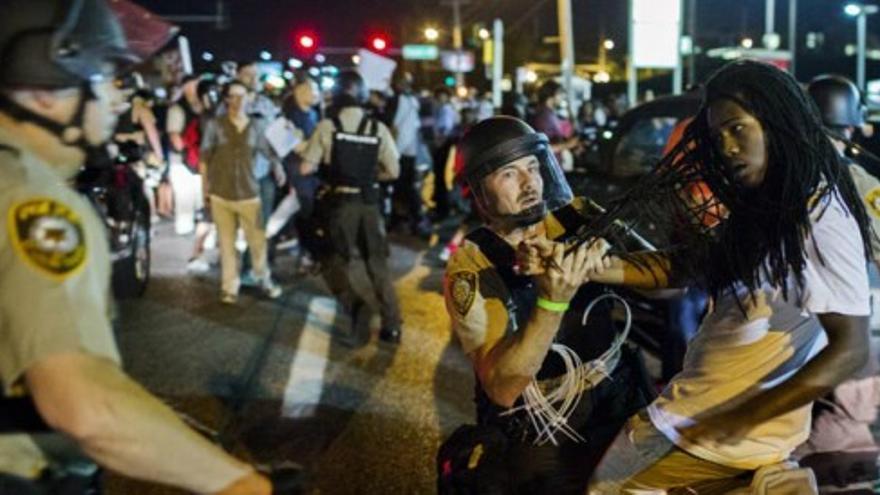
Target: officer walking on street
(59,364)
(356,152)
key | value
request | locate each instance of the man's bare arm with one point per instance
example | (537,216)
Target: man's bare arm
(846,353)
(507,368)
(649,272)
(126,429)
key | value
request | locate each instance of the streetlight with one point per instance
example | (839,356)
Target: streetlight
(266,56)
(608,44)
(861,13)
(431,34)
(484,34)
(747,43)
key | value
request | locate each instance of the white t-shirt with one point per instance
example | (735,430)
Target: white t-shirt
(735,356)
(407,124)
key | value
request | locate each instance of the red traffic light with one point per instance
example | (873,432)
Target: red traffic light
(379,43)
(306,41)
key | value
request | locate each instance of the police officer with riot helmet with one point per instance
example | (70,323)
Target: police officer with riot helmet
(59,363)
(526,336)
(840,105)
(355,152)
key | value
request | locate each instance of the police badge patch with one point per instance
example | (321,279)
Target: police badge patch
(48,236)
(464,287)
(872,199)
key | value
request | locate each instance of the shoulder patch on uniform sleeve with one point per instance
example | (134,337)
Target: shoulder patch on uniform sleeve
(872,200)
(463,286)
(47,235)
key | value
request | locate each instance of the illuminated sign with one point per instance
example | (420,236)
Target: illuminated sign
(656,26)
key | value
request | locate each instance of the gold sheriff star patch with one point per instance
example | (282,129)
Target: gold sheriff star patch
(872,199)
(463,288)
(48,236)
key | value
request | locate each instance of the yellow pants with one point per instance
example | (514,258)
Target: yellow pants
(228,215)
(642,461)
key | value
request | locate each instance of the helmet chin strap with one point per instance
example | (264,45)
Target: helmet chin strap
(70,134)
(529,216)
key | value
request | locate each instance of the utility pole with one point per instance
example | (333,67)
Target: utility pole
(566,51)
(861,43)
(769,16)
(692,32)
(771,39)
(631,71)
(677,71)
(457,43)
(792,34)
(497,61)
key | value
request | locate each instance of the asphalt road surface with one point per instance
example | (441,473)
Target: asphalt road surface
(275,382)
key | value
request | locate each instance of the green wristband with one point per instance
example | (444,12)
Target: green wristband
(556,307)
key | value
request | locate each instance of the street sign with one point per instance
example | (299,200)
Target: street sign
(457,61)
(420,52)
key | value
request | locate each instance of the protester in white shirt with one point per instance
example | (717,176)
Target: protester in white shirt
(785,261)
(406,125)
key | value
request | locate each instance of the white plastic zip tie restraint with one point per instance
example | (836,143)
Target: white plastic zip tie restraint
(549,413)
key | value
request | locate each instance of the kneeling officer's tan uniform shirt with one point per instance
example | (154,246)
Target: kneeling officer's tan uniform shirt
(54,283)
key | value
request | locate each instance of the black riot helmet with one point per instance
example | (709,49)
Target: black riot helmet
(59,44)
(350,90)
(839,101)
(500,140)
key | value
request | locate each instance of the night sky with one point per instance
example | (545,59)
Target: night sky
(272,24)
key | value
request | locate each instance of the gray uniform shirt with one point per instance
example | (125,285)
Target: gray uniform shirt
(869,189)
(54,288)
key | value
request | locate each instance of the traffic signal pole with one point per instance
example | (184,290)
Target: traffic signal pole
(566,51)
(457,43)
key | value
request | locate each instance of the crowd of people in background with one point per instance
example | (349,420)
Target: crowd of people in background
(180,130)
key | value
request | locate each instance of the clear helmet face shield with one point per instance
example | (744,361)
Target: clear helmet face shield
(555,191)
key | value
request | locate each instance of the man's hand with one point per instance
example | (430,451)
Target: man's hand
(253,483)
(563,275)
(535,255)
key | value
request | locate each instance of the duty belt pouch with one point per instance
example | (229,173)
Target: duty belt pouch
(473,460)
(354,160)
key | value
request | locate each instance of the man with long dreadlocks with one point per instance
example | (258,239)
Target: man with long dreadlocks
(541,346)
(786,261)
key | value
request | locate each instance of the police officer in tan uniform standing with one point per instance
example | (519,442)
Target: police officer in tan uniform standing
(357,152)
(57,351)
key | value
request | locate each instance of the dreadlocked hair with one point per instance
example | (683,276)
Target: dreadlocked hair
(721,233)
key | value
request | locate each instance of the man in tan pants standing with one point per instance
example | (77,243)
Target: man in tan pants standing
(230,146)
